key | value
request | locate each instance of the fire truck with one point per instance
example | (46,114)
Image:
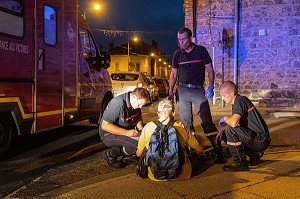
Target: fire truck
(51,70)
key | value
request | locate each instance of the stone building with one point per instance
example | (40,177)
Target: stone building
(264,58)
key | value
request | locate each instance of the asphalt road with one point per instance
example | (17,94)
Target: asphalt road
(68,156)
(56,158)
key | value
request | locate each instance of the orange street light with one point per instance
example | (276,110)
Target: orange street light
(93,7)
(128,52)
(97,6)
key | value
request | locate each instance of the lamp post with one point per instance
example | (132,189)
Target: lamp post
(96,7)
(128,51)
(159,69)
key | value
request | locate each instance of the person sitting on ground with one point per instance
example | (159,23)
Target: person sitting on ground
(120,125)
(166,113)
(246,131)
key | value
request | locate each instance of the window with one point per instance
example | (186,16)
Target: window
(137,67)
(50,25)
(131,67)
(124,77)
(12,18)
(87,42)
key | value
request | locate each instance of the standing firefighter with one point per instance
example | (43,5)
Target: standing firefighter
(189,65)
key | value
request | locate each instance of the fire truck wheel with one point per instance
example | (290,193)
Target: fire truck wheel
(6,136)
(105,102)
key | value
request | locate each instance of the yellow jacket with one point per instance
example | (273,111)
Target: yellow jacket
(185,138)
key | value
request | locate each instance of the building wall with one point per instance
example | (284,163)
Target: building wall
(268,67)
(122,62)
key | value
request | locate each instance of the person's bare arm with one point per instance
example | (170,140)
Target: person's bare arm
(139,152)
(113,129)
(233,120)
(172,81)
(140,125)
(211,73)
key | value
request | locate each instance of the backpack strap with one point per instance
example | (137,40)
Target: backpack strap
(170,123)
(158,123)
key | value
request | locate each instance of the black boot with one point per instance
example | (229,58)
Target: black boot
(114,157)
(237,166)
(255,158)
(219,159)
(130,159)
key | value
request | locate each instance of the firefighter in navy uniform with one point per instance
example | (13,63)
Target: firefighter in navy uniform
(246,132)
(120,126)
(188,70)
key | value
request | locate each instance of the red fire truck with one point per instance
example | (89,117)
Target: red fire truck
(51,71)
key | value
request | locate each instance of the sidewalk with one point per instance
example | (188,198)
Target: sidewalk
(278,176)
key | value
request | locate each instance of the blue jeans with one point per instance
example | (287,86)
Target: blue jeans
(185,98)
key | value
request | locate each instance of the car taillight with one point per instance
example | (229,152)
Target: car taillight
(139,85)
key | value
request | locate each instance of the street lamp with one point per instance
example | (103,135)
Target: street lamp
(96,7)
(128,51)
(159,69)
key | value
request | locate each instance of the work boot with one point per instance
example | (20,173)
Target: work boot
(194,159)
(130,159)
(219,158)
(235,167)
(255,158)
(114,157)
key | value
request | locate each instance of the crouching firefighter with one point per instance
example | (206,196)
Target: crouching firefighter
(120,126)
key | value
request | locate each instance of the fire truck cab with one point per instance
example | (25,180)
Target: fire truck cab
(51,70)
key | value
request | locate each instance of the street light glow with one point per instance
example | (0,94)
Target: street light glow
(97,6)
(128,51)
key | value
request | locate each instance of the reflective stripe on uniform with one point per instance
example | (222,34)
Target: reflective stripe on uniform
(234,143)
(211,134)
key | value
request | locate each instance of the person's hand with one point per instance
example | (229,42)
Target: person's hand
(220,135)
(171,96)
(222,121)
(132,133)
(209,93)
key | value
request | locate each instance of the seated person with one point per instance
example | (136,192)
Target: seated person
(186,138)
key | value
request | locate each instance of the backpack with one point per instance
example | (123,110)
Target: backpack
(165,155)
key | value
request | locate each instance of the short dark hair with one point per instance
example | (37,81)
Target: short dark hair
(185,29)
(228,86)
(142,93)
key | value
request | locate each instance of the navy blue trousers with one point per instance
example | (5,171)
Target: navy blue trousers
(129,144)
(243,141)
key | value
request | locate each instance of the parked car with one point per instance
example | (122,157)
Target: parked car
(166,81)
(123,82)
(153,88)
(162,86)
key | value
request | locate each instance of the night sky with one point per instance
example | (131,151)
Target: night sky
(151,19)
